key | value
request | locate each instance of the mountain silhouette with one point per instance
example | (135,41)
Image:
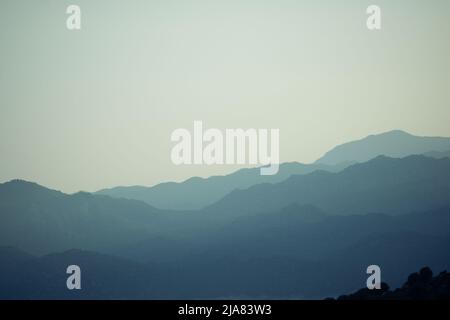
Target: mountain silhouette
(263,256)
(298,251)
(49,221)
(395,144)
(196,193)
(309,233)
(383,184)
(41,220)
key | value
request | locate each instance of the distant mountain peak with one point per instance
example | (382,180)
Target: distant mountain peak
(19,182)
(26,187)
(394,143)
(395,132)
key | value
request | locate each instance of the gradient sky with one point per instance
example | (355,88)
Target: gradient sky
(89,109)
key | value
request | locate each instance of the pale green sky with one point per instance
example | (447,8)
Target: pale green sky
(88,109)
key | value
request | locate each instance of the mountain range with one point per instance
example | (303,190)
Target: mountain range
(260,257)
(308,233)
(197,193)
(383,184)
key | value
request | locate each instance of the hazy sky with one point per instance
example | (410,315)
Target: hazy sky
(88,109)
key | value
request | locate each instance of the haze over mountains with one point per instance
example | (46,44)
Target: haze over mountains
(263,257)
(394,144)
(196,193)
(387,185)
(308,233)
(46,219)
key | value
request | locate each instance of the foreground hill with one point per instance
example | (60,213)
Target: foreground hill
(103,277)
(419,286)
(298,252)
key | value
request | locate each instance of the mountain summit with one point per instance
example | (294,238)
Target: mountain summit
(394,144)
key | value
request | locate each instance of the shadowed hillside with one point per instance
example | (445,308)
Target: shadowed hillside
(387,185)
(40,220)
